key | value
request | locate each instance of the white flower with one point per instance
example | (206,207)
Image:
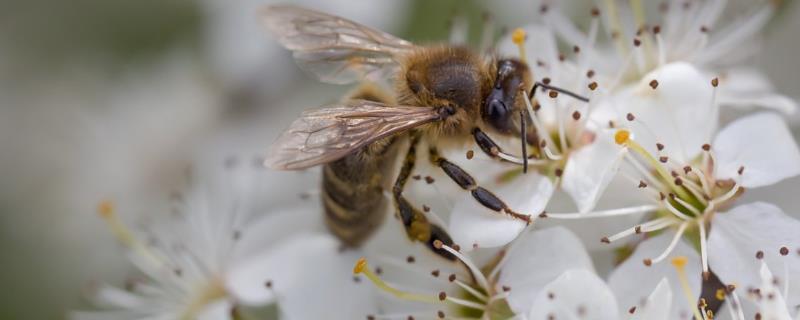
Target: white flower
(494,284)
(196,262)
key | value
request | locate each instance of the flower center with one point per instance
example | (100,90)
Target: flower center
(475,299)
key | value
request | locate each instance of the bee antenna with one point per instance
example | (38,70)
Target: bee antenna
(557,89)
(523,138)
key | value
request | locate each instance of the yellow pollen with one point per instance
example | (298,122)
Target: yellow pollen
(105,208)
(361,264)
(518,36)
(622,136)
(680,261)
(720,294)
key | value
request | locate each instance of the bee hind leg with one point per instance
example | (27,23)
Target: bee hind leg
(417,226)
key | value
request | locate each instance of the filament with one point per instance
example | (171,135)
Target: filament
(672,244)
(605,213)
(703,245)
(476,272)
(361,267)
(106,210)
(674,211)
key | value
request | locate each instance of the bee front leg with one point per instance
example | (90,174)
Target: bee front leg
(464,180)
(492,149)
(417,226)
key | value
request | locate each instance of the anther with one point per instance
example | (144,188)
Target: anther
(654,84)
(105,208)
(558,172)
(429,179)
(687,169)
(740,170)
(552,93)
(470,154)
(678,182)
(440,314)
(410,259)
(543,8)
(784,251)
(437,244)
(630,117)
(715,82)
(637,42)
(605,240)
(576,115)
(703,29)
(760,255)
(442,296)
(435,273)
(595,12)
(544,215)
(518,36)
(546,80)
(506,288)
(706,147)
(593,86)
(642,184)
(576,49)
(451,278)
(656,29)
(659,146)
(590,73)
(663,159)
(648,262)
(632,310)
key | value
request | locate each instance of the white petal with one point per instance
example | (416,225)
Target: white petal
(307,270)
(657,305)
(108,296)
(536,259)
(771,304)
(576,294)
(678,114)
(220,310)
(275,226)
(737,235)
(589,171)
(748,87)
(763,145)
(632,281)
(472,223)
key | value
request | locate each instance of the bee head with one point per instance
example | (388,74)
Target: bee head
(503,104)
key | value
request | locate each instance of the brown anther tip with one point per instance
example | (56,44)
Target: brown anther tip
(546,80)
(784,251)
(410,259)
(663,159)
(268,284)
(674,173)
(678,182)
(647,262)
(638,229)
(687,169)
(656,29)
(703,29)
(740,170)
(654,84)
(642,184)
(595,12)
(552,93)
(632,310)
(543,8)
(715,82)
(543,143)
(659,146)
(537,106)
(416,177)
(605,240)
(558,172)
(671,196)
(435,273)
(662,196)
(576,115)
(706,147)
(470,154)
(593,86)
(590,73)
(440,314)
(442,296)
(543,214)
(576,49)
(451,278)
(437,244)
(429,179)
(637,42)
(506,288)
(426,208)
(456,247)
(561,57)
(730,288)
(370,317)
(760,255)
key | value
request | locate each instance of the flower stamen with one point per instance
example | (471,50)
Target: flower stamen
(518,37)
(107,211)
(680,263)
(672,244)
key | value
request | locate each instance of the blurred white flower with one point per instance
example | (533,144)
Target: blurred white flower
(691,32)
(194,261)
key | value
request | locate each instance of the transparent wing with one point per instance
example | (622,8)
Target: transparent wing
(324,135)
(334,49)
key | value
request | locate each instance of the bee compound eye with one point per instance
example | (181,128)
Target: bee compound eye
(496,109)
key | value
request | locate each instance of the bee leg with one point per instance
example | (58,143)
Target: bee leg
(467,182)
(417,226)
(492,149)
(557,89)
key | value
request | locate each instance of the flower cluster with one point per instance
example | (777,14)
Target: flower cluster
(649,135)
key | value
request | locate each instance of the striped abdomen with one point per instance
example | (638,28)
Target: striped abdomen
(352,187)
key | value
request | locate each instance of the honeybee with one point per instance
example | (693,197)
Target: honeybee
(443,93)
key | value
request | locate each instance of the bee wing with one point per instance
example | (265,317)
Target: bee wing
(334,49)
(324,135)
